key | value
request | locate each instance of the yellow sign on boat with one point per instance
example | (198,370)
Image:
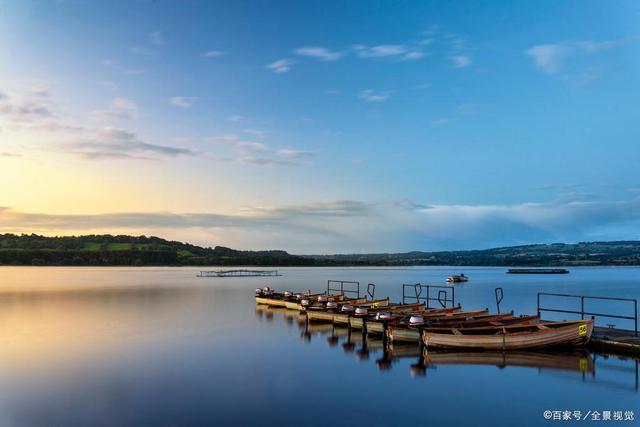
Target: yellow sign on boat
(582,330)
(375,305)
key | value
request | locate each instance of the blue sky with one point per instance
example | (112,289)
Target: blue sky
(322,126)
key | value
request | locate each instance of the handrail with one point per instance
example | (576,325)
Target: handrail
(498,299)
(355,287)
(582,312)
(371,290)
(442,296)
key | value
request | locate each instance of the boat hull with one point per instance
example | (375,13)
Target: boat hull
(569,334)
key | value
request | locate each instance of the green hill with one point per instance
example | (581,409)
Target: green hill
(556,254)
(33,249)
(106,249)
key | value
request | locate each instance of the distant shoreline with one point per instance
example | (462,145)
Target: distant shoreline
(123,250)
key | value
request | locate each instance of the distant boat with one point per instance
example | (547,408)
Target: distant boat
(457,278)
(538,271)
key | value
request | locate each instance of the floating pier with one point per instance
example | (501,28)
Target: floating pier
(538,271)
(238,273)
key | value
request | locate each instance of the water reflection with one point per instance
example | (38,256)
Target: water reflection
(617,371)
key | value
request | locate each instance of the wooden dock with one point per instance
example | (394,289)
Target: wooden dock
(615,341)
(238,273)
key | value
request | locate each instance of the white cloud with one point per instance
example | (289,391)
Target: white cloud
(413,55)
(280,66)
(321,53)
(549,57)
(235,118)
(183,101)
(383,50)
(460,61)
(213,54)
(370,95)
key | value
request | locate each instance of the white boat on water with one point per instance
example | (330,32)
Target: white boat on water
(457,278)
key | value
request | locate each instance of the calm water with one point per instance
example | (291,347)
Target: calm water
(160,347)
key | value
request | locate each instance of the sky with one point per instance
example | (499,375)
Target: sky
(322,126)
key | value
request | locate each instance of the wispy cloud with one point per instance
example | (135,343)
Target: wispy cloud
(321,53)
(113,143)
(370,95)
(460,61)
(360,226)
(259,153)
(9,154)
(551,58)
(235,118)
(295,154)
(380,51)
(183,101)
(280,66)
(213,54)
(119,109)
(32,105)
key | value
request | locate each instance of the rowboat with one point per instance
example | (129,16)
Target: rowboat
(548,334)
(410,330)
(345,318)
(376,326)
(292,300)
(322,314)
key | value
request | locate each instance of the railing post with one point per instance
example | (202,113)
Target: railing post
(582,306)
(538,305)
(635,308)
(453,297)
(428,295)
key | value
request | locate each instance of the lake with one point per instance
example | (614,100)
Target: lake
(162,347)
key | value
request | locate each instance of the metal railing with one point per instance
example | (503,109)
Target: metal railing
(351,287)
(442,298)
(499,295)
(582,311)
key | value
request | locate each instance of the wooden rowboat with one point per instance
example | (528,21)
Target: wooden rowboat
(279,300)
(550,334)
(402,331)
(377,326)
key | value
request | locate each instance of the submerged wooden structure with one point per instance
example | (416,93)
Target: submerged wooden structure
(238,273)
